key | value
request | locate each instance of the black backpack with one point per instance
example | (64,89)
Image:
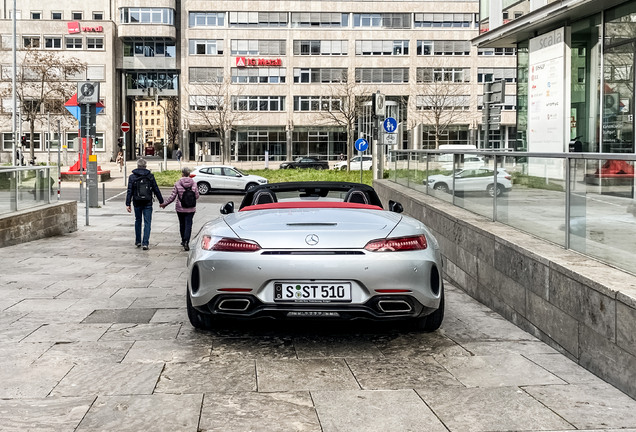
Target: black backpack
(142,190)
(188,198)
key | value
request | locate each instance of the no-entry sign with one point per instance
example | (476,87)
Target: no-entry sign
(125,127)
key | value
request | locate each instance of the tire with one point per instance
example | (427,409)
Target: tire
(319,167)
(491,190)
(203,187)
(250,186)
(198,320)
(442,187)
(432,322)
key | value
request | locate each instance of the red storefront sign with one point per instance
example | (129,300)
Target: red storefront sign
(97,29)
(244,62)
(74,27)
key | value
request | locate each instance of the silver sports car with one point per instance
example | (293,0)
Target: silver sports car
(317,250)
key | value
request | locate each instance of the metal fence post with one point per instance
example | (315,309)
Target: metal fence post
(408,169)
(494,195)
(567,202)
(427,159)
(104,194)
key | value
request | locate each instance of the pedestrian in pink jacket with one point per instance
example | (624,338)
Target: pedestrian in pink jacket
(185,209)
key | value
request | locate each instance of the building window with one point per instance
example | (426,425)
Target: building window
(150,48)
(485,75)
(443,47)
(259,75)
(444,20)
(319,19)
(56,15)
(36,15)
(52,42)
(147,16)
(382,47)
(7,141)
(443,74)
(319,75)
(160,80)
(320,47)
(204,103)
(31,41)
(18,14)
(205,75)
(71,139)
(317,103)
(98,16)
(73,42)
(258,103)
(77,15)
(207,19)
(273,47)
(451,102)
(497,51)
(96,43)
(382,20)
(206,47)
(382,75)
(258,19)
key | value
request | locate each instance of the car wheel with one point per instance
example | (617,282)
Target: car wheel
(319,167)
(491,190)
(203,187)
(442,187)
(432,322)
(198,320)
(250,186)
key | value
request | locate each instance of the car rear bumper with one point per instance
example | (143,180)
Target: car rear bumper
(378,308)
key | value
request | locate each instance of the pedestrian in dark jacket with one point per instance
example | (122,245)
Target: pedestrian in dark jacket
(143,207)
(185,214)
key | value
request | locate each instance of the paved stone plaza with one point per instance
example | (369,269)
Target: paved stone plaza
(94,337)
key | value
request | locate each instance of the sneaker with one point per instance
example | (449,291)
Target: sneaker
(186,247)
(145,248)
(138,244)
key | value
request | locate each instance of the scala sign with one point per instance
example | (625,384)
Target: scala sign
(244,61)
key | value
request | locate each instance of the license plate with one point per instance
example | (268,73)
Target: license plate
(312,314)
(312,292)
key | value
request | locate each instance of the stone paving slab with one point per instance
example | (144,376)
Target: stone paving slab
(60,371)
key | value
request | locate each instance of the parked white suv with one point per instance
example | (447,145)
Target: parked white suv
(224,177)
(472,180)
(355,163)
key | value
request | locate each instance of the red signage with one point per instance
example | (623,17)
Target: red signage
(73,27)
(97,29)
(244,62)
(125,126)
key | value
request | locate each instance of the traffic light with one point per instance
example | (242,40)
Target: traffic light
(23,140)
(120,142)
(96,141)
(379,109)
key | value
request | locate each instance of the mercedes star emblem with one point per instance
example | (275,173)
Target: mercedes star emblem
(312,239)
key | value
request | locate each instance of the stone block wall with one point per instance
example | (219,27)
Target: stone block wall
(38,222)
(579,306)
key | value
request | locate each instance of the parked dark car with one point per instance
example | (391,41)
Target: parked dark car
(306,162)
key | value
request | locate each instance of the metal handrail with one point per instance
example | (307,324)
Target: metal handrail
(589,155)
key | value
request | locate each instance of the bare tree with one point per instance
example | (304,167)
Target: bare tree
(341,104)
(42,85)
(216,106)
(441,99)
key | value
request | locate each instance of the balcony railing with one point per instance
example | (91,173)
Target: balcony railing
(26,187)
(581,201)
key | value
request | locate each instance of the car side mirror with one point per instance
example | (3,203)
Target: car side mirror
(227,208)
(395,207)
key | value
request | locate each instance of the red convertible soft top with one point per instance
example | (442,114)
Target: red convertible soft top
(310,204)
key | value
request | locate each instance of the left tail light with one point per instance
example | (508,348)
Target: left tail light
(397,244)
(226,244)
(193,175)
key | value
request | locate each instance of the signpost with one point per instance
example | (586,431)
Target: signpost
(494,96)
(361,145)
(125,127)
(390,131)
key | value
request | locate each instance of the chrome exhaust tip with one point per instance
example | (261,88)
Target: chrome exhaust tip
(234,305)
(394,306)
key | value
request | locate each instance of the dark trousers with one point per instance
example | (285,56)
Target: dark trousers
(185,226)
(144,213)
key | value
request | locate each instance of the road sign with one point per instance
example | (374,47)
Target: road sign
(89,112)
(362,144)
(390,139)
(125,127)
(87,92)
(379,108)
(390,124)
(495,92)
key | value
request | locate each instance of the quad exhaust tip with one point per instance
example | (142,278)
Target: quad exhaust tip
(235,305)
(394,306)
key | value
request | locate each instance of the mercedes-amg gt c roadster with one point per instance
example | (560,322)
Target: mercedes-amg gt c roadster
(315,250)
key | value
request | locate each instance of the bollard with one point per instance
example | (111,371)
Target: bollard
(104,194)
(81,195)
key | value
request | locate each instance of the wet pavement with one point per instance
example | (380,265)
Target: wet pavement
(94,336)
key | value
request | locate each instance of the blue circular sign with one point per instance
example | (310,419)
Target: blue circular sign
(390,125)
(362,144)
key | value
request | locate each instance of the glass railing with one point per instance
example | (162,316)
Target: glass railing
(580,201)
(25,187)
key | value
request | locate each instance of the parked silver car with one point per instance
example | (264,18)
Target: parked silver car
(472,180)
(367,162)
(315,250)
(224,177)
